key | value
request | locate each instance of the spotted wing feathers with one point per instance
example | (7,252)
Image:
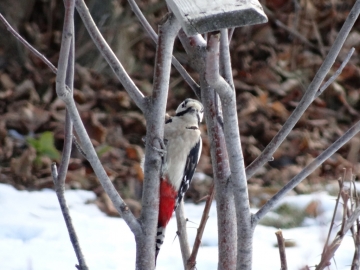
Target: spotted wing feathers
(190,166)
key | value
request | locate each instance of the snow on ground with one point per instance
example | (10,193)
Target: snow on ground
(33,236)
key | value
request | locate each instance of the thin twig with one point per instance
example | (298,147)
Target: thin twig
(225,58)
(306,171)
(336,74)
(65,93)
(345,197)
(296,34)
(188,79)
(59,178)
(318,36)
(60,188)
(351,190)
(110,56)
(347,224)
(194,46)
(68,127)
(192,259)
(182,233)
(308,97)
(230,33)
(341,185)
(78,147)
(356,235)
(281,244)
(290,30)
(27,45)
(356,259)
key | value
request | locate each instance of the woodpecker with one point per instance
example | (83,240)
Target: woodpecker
(183,148)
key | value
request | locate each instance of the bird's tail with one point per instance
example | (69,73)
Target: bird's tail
(166,208)
(160,235)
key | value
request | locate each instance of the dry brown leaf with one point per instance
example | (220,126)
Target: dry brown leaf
(6,81)
(139,171)
(134,152)
(23,115)
(22,166)
(312,209)
(279,110)
(94,128)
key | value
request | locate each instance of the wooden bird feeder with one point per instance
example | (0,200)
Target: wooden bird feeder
(202,16)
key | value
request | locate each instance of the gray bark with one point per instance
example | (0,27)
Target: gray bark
(224,195)
(155,116)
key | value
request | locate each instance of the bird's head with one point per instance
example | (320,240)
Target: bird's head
(191,107)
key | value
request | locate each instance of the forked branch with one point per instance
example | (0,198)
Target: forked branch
(234,150)
(59,178)
(65,93)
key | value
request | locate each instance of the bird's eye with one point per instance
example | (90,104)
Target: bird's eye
(183,105)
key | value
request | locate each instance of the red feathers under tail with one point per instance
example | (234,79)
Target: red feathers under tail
(166,207)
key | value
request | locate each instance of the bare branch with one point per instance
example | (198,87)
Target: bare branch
(341,185)
(233,146)
(145,252)
(68,128)
(225,59)
(306,171)
(290,30)
(191,263)
(230,33)
(27,45)
(296,34)
(308,96)
(62,89)
(336,74)
(59,178)
(110,56)
(345,227)
(60,189)
(65,93)
(281,244)
(356,259)
(190,81)
(226,215)
(194,47)
(182,234)
(356,233)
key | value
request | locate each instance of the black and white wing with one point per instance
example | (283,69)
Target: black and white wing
(190,166)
